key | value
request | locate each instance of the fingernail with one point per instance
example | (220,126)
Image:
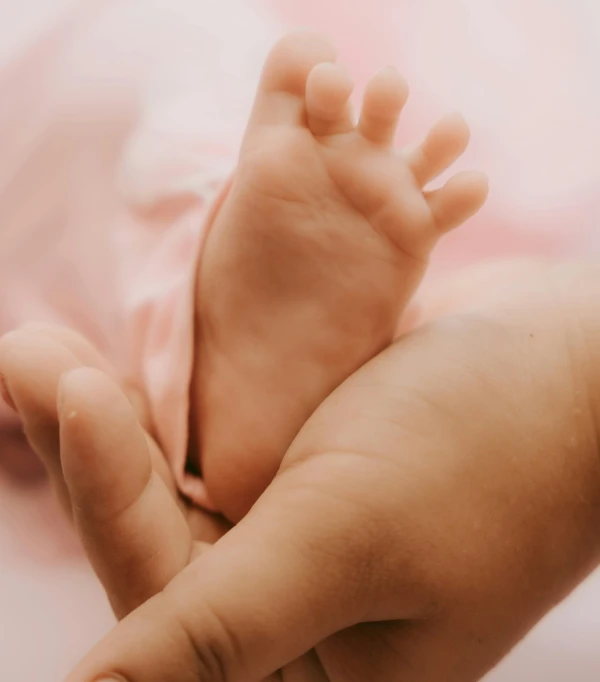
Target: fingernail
(6,396)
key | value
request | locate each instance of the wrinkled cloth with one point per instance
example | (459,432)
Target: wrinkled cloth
(120,122)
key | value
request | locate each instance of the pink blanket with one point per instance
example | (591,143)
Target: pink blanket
(110,108)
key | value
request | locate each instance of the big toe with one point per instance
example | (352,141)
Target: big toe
(293,58)
(280,97)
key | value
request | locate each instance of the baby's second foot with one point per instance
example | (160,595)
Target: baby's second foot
(320,244)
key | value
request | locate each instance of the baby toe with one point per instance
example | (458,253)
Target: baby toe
(384,99)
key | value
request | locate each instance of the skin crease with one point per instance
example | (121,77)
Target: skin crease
(430,512)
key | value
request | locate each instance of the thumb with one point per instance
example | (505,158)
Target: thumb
(288,576)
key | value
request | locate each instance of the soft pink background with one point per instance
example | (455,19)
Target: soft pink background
(82,82)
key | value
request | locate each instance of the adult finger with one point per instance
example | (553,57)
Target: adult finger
(135,535)
(288,576)
(31,365)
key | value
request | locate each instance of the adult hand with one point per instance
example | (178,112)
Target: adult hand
(125,505)
(432,510)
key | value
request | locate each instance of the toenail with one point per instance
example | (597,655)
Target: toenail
(6,396)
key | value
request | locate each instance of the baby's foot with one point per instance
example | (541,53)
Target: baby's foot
(319,246)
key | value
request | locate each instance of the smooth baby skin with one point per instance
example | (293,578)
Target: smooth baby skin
(311,261)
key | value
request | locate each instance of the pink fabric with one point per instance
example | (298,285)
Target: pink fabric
(119,122)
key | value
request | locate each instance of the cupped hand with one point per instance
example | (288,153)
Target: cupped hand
(432,510)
